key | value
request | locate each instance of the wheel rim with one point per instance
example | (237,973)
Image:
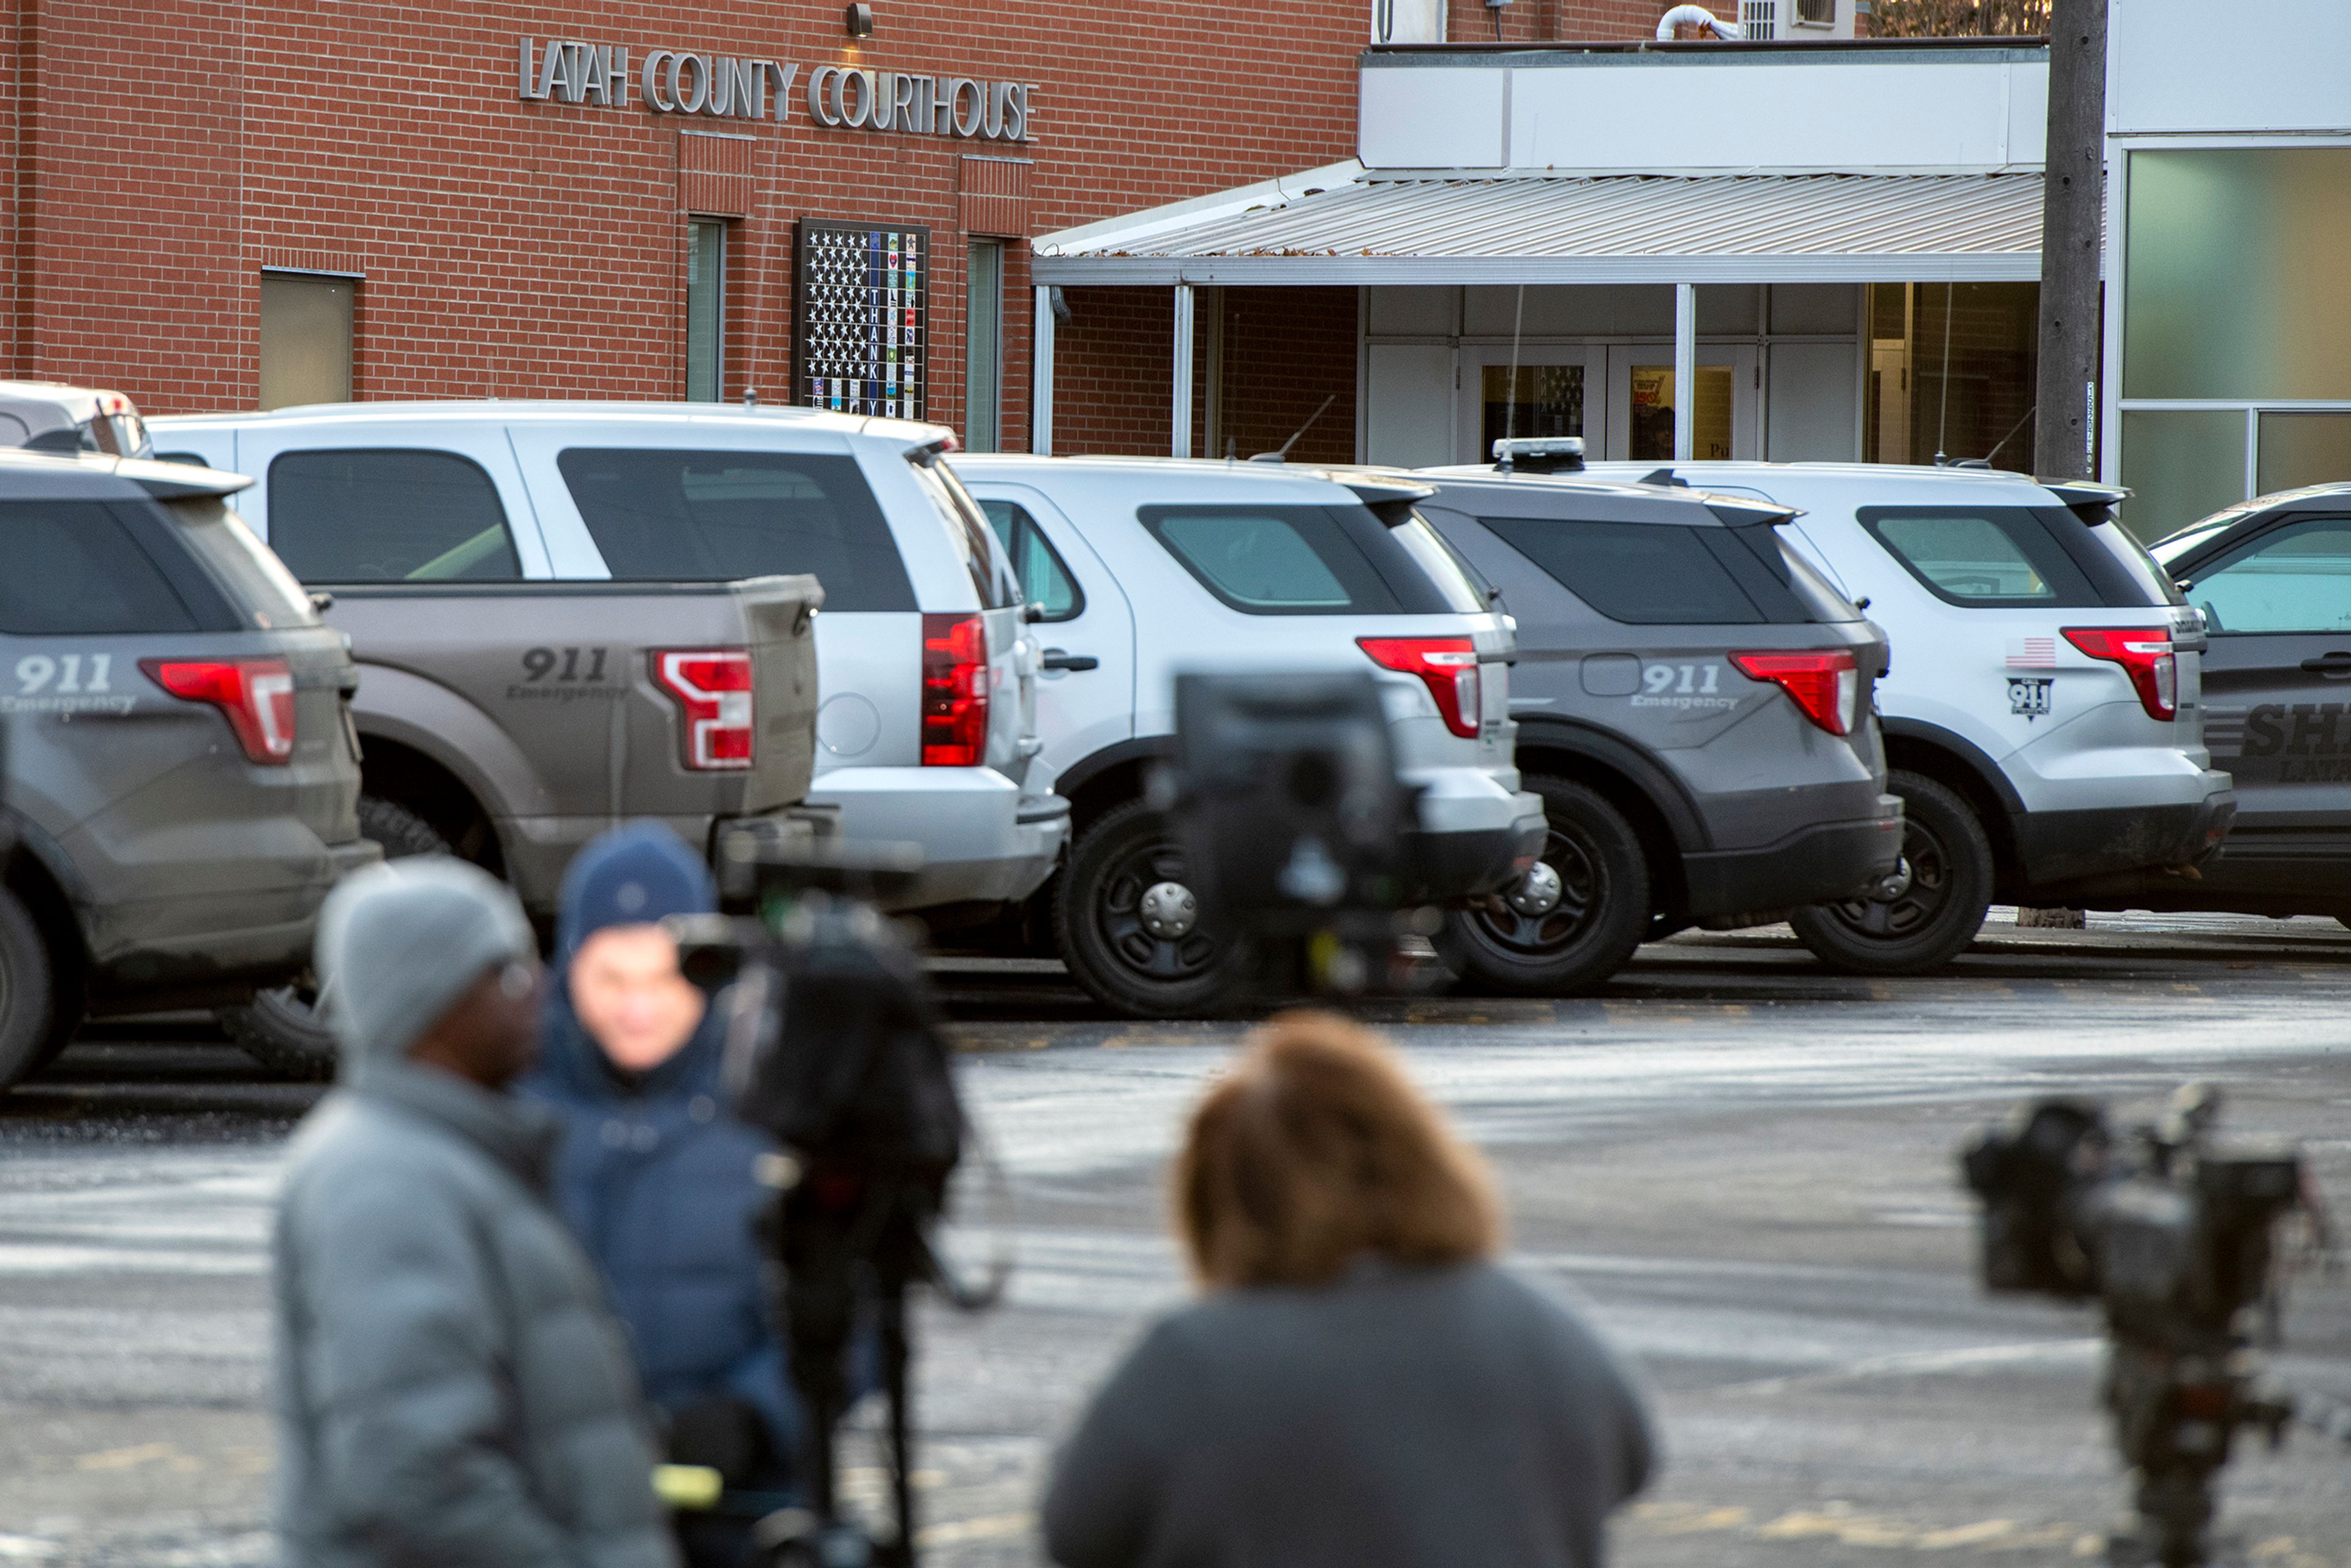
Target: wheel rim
(1132,913)
(1582,891)
(1920,901)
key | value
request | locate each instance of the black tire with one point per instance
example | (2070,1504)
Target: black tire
(280,1029)
(27,993)
(1941,904)
(1602,913)
(1098,924)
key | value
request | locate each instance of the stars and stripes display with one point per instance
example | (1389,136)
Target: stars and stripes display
(860,318)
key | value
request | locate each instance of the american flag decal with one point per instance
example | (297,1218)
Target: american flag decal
(2032,652)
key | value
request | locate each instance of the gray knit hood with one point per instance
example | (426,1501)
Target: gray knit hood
(398,943)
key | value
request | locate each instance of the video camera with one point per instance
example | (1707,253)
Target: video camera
(1297,830)
(2173,1232)
(835,1047)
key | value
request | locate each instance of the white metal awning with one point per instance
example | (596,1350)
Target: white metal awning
(1346,225)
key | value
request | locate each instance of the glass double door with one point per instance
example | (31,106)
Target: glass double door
(1619,397)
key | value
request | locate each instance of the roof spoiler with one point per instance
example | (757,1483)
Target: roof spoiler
(927,453)
(179,481)
(2086,498)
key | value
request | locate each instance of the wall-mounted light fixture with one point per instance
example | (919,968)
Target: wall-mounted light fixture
(859,21)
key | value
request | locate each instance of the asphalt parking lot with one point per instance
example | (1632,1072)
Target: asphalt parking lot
(1742,1163)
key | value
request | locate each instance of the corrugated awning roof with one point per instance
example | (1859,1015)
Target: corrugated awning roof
(1604,228)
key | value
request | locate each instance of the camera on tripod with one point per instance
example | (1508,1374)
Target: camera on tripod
(835,1048)
(2174,1233)
(1297,830)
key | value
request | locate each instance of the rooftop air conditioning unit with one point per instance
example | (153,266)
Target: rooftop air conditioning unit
(1760,18)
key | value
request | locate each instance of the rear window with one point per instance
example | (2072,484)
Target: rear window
(1455,579)
(75,569)
(388,515)
(1656,574)
(2008,557)
(669,516)
(255,581)
(1274,561)
(967,532)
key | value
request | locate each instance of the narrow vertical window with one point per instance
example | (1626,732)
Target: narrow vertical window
(705,309)
(983,345)
(306,338)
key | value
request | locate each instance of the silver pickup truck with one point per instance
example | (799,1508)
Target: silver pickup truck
(510,724)
(547,604)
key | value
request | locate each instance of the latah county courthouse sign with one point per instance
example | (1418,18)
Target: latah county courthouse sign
(726,87)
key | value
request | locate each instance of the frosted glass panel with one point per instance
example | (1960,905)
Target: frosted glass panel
(2180,467)
(2234,278)
(306,339)
(2304,449)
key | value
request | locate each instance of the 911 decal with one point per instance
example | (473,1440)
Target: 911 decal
(66,683)
(579,676)
(1683,687)
(2029,696)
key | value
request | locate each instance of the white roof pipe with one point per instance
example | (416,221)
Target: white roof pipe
(1698,16)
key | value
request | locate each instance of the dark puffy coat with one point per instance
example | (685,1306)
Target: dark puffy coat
(658,1182)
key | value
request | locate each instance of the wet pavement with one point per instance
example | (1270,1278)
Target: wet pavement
(1742,1163)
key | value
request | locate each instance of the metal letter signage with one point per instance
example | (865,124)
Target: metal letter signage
(729,87)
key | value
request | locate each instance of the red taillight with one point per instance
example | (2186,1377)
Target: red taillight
(1446,666)
(255,694)
(1825,684)
(955,691)
(713,686)
(2145,653)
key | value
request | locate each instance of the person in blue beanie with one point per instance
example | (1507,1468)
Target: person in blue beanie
(657,1180)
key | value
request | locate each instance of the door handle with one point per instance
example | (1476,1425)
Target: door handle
(1060,659)
(2335,666)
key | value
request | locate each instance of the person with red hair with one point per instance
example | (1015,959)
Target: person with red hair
(1361,1385)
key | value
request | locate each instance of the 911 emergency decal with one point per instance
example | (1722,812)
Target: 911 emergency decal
(579,676)
(1683,687)
(66,683)
(2029,696)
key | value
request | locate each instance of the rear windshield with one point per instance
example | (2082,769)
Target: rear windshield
(1664,574)
(256,581)
(967,534)
(2008,557)
(1297,561)
(1455,579)
(76,569)
(669,516)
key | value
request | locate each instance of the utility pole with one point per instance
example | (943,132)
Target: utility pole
(2073,213)
(2066,424)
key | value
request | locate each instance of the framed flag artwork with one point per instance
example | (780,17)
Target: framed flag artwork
(860,318)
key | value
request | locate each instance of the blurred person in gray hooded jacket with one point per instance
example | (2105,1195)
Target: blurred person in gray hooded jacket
(451,1390)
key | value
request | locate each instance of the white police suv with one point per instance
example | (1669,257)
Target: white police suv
(2042,715)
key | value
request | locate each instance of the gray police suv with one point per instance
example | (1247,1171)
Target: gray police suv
(182,773)
(1694,707)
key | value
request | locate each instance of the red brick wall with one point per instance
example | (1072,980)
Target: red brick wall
(1573,21)
(1286,349)
(518,248)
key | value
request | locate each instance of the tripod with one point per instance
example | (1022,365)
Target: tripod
(849,1244)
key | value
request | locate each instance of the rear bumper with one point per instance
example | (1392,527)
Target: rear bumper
(2057,847)
(1812,865)
(1469,863)
(212,950)
(983,840)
